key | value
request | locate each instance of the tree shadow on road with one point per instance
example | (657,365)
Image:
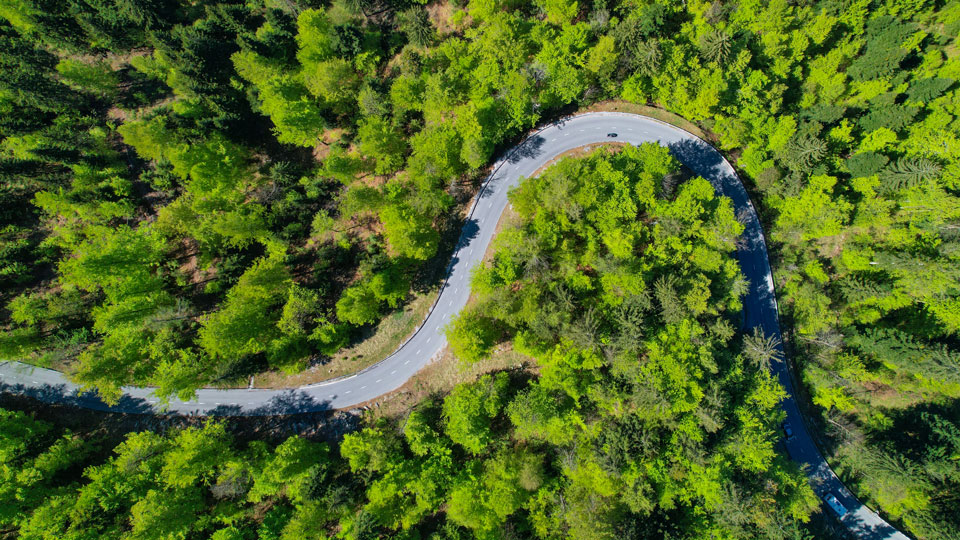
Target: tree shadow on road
(293,401)
(864,531)
(63,395)
(531,147)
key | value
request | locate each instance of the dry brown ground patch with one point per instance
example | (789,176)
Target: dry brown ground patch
(440,376)
(384,339)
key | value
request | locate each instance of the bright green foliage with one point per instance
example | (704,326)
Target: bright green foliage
(372,449)
(341,165)
(559,11)
(291,471)
(406,490)
(247,322)
(122,264)
(470,409)
(32,462)
(421,437)
(814,213)
(842,118)
(96,197)
(294,112)
(382,143)
(335,82)
(96,78)
(362,302)
(581,286)
(507,480)
(313,37)
(856,168)
(163,515)
(409,233)
(188,483)
(541,413)
(195,454)
(471,335)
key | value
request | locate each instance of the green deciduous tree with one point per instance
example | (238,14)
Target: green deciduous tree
(247,322)
(383,143)
(471,408)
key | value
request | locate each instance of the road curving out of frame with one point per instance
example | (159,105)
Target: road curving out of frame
(542,146)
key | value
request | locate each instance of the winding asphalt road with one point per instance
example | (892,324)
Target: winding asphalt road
(760,306)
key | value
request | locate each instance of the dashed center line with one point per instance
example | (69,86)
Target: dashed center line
(418,351)
(392,372)
(378,380)
(348,391)
(407,362)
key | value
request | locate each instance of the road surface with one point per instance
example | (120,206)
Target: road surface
(760,306)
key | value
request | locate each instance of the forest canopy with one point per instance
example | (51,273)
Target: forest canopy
(194,193)
(596,445)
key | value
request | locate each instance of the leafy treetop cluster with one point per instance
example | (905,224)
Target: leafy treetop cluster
(190,262)
(195,482)
(844,115)
(295,165)
(649,415)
